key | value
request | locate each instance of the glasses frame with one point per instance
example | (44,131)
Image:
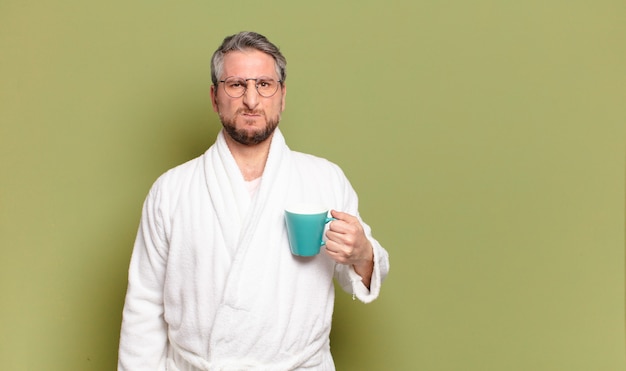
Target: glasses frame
(256,85)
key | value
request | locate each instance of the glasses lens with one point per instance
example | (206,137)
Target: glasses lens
(235,87)
(266,87)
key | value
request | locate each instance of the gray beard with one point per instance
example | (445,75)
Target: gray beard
(250,138)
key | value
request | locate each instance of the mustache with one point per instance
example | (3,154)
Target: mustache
(245,111)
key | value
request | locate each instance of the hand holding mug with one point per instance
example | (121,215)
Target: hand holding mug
(347,244)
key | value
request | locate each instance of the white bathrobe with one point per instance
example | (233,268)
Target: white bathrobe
(212,283)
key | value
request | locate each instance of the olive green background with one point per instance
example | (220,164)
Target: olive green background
(486,140)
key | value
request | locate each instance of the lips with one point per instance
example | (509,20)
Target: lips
(250,113)
(252,117)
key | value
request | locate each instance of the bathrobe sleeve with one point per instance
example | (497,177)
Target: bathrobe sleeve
(143,340)
(350,281)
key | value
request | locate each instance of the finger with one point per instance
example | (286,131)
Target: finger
(332,247)
(345,232)
(334,237)
(341,232)
(341,215)
(337,226)
(335,252)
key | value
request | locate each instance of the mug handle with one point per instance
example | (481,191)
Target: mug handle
(326,221)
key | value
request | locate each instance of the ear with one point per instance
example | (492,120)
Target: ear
(214,98)
(284,93)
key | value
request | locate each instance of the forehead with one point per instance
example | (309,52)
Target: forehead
(249,63)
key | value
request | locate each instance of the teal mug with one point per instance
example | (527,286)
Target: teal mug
(305,228)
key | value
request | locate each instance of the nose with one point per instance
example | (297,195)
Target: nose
(251,96)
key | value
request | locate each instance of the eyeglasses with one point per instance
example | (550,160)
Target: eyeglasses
(236,87)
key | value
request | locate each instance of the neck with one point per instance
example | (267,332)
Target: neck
(250,159)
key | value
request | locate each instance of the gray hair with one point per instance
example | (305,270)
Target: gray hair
(244,41)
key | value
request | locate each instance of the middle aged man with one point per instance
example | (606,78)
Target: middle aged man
(212,282)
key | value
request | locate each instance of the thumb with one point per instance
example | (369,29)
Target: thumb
(340,215)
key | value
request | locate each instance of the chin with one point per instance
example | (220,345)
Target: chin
(250,137)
